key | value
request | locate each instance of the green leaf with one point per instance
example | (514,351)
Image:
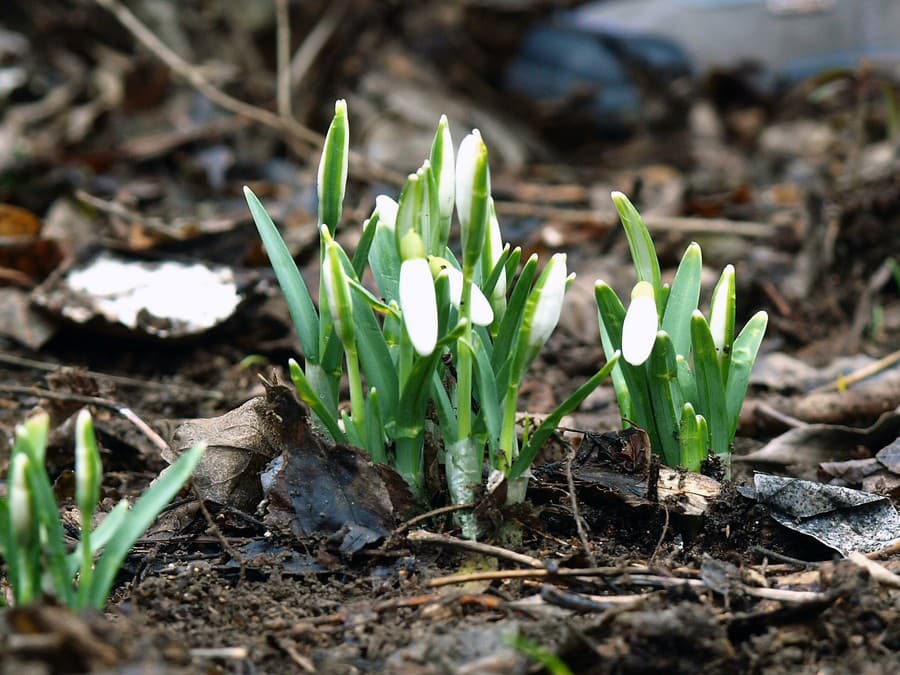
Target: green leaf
(31,438)
(548,426)
(332,179)
(615,306)
(743,356)
(361,254)
(512,320)
(710,389)
(693,441)
(612,317)
(300,304)
(374,303)
(384,261)
(310,397)
(136,522)
(488,398)
(686,380)
(375,429)
(665,396)
(640,243)
(683,299)
(721,318)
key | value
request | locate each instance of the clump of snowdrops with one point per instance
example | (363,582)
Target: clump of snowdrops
(683,376)
(445,342)
(32,540)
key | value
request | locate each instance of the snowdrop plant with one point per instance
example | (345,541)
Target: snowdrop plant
(682,377)
(447,339)
(32,541)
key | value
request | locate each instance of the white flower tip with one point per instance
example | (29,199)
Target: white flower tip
(418,303)
(640,327)
(340,106)
(387,210)
(482,314)
(617,195)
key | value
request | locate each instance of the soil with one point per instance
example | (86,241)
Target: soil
(214,589)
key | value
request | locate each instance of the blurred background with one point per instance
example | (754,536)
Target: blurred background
(766,129)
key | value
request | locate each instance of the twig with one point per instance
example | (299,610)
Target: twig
(846,381)
(659,223)
(662,535)
(217,533)
(122,410)
(297,132)
(283,20)
(539,574)
(122,211)
(573,501)
(884,552)
(878,572)
(784,594)
(774,555)
(13,360)
(765,410)
(425,537)
(422,517)
(318,37)
(220,652)
(304,663)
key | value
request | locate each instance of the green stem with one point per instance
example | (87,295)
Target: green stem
(508,431)
(357,400)
(87,564)
(464,366)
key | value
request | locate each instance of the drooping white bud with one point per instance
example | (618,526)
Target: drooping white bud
(640,325)
(418,303)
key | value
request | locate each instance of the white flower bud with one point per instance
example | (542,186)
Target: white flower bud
(550,301)
(418,303)
(387,210)
(444,170)
(640,325)
(482,314)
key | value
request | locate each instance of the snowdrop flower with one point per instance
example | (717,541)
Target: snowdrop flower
(19,499)
(331,182)
(494,249)
(88,470)
(442,164)
(387,210)
(418,302)
(482,314)
(640,325)
(550,300)
(721,311)
(473,188)
(337,292)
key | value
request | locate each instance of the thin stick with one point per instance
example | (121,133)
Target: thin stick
(217,533)
(775,555)
(658,223)
(425,537)
(196,79)
(283,19)
(422,517)
(122,410)
(312,45)
(579,522)
(878,572)
(662,535)
(535,574)
(847,381)
(13,360)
